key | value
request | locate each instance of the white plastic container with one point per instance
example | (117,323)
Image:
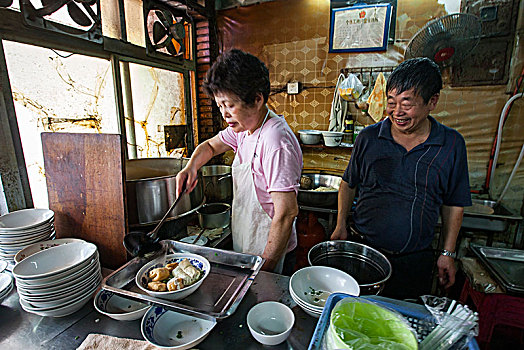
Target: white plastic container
(332,138)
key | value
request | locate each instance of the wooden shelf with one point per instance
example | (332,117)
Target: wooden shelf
(322,146)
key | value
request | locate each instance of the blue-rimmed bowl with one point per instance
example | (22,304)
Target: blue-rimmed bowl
(142,277)
(117,307)
(172,330)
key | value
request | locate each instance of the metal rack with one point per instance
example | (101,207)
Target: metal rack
(364,74)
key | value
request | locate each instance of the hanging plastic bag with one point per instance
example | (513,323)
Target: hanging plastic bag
(350,88)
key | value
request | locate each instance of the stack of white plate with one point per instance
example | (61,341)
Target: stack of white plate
(22,228)
(6,281)
(58,281)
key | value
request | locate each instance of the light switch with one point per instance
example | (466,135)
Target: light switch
(292,88)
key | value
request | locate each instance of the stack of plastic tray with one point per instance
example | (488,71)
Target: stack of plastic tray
(417,315)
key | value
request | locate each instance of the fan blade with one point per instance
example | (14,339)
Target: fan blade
(164,17)
(87,2)
(78,15)
(6,3)
(171,48)
(49,7)
(159,32)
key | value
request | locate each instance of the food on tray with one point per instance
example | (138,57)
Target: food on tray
(325,189)
(159,274)
(360,324)
(173,276)
(157,286)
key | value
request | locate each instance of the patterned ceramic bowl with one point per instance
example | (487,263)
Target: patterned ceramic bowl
(142,277)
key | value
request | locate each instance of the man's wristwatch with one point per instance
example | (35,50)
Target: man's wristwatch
(448,253)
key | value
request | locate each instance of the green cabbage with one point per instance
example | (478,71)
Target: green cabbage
(361,325)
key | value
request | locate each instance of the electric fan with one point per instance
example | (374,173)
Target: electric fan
(446,40)
(168,32)
(74,9)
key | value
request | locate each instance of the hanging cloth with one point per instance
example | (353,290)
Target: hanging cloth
(339,108)
(377,100)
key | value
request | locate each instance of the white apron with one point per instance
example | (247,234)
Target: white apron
(250,224)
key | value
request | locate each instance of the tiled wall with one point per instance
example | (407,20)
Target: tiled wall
(292,38)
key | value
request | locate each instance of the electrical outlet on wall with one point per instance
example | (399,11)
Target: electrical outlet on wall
(293,88)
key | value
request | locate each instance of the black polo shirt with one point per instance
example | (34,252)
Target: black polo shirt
(400,193)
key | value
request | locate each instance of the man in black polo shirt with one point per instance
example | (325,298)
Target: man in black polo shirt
(407,168)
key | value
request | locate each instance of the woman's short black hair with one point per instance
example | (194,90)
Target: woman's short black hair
(420,74)
(240,73)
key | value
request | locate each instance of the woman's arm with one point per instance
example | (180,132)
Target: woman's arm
(286,209)
(202,154)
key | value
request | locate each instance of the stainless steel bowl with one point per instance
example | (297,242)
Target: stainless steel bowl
(214,215)
(310,137)
(312,198)
(369,267)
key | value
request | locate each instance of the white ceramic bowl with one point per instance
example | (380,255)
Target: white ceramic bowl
(142,276)
(24,219)
(312,285)
(172,330)
(117,307)
(270,322)
(310,137)
(62,310)
(37,247)
(332,138)
(54,260)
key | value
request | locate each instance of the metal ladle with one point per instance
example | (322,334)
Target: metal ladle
(139,243)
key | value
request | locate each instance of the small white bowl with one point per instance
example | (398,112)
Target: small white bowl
(117,307)
(332,138)
(312,285)
(270,322)
(37,247)
(172,330)
(190,239)
(142,276)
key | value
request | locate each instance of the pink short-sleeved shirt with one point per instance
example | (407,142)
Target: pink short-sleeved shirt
(278,164)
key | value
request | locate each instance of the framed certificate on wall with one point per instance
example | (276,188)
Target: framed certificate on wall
(360,28)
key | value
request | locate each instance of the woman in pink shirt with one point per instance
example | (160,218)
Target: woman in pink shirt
(268,161)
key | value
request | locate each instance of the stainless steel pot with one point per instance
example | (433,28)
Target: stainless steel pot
(369,267)
(307,195)
(214,215)
(151,189)
(218,183)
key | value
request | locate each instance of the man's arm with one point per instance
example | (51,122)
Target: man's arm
(346,195)
(451,222)
(286,209)
(202,154)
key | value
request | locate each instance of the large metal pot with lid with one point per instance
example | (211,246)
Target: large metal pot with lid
(151,189)
(369,267)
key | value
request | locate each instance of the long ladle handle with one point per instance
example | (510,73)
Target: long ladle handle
(153,233)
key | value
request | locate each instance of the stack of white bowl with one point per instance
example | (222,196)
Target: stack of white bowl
(22,228)
(58,281)
(6,284)
(311,286)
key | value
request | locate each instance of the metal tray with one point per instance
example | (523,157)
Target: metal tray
(218,297)
(506,265)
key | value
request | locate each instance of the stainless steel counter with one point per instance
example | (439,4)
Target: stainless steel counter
(23,330)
